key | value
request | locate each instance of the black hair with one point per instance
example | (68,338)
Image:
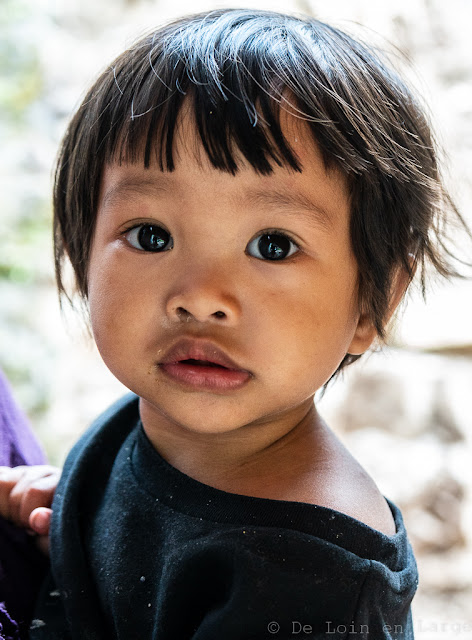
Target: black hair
(237,70)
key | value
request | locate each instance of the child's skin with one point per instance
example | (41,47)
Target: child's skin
(26,495)
(286,324)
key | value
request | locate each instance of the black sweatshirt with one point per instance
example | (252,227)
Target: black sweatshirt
(140,550)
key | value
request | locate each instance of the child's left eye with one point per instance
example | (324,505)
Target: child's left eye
(272,245)
(149,237)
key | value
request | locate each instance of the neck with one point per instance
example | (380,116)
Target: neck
(240,461)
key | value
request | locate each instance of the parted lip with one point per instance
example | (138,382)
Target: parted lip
(198,349)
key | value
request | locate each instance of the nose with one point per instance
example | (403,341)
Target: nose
(203,298)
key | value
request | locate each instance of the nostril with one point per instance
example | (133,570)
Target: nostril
(181,310)
(182,313)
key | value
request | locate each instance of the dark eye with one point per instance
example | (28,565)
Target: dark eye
(272,246)
(149,237)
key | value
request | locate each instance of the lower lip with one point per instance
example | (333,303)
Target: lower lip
(206,378)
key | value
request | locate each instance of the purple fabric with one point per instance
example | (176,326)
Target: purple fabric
(8,628)
(22,566)
(18,445)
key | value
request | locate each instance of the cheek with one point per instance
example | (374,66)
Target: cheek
(100,295)
(316,324)
(105,320)
(109,301)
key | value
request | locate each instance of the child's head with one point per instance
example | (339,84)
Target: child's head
(235,75)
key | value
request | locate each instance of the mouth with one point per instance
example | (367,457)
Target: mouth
(202,366)
(202,363)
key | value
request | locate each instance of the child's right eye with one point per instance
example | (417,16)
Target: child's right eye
(149,237)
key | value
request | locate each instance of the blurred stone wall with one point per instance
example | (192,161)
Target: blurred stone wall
(404,412)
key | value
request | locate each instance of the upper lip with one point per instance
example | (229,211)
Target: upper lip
(192,349)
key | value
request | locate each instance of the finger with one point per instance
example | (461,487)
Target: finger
(8,471)
(40,520)
(9,477)
(39,493)
(35,488)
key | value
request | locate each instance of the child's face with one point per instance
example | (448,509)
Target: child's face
(286,324)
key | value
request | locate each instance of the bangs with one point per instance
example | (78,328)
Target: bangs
(236,75)
(224,128)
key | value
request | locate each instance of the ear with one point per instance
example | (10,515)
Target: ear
(366,332)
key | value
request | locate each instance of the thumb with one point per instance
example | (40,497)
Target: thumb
(40,520)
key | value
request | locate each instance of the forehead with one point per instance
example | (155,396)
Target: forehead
(315,191)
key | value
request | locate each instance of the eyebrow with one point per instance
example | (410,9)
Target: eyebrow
(291,202)
(134,186)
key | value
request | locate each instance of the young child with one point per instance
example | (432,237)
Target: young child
(244,198)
